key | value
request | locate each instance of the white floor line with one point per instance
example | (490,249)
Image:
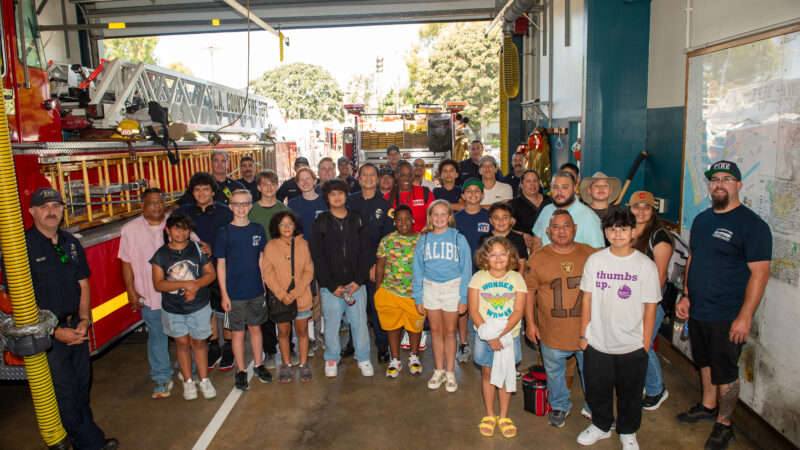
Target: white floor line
(222,414)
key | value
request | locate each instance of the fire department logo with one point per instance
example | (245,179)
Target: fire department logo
(390,213)
(568,267)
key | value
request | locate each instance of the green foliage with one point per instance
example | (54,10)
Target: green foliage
(305,91)
(361,89)
(141,49)
(178,66)
(461,65)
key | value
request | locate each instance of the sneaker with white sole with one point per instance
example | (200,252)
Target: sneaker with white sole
(366,369)
(269,361)
(436,380)
(592,434)
(450,385)
(423,341)
(312,347)
(405,343)
(162,390)
(652,402)
(414,365)
(331,368)
(207,388)
(394,368)
(189,390)
(557,418)
(629,441)
(586,413)
(463,352)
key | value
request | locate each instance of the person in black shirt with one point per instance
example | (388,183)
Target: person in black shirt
(527,204)
(346,173)
(500,214)
(470,168)
(60,277)
(247,169)
(289,189)
(518,168)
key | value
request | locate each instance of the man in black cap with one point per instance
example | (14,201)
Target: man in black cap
(346,173)
(60,276)
(289,189)
(728,269)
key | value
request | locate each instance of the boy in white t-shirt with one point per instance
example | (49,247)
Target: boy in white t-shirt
(620,294)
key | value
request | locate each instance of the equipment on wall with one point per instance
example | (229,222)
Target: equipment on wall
(632,172)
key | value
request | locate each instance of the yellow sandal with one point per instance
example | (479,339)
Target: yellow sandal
(506,425)
(486,427)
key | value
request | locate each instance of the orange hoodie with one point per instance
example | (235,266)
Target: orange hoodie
(277,270)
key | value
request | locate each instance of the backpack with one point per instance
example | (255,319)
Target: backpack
(676,270)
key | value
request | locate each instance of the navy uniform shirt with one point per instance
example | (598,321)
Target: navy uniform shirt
(512,181)
(208,221)
(471,170)
(55,283)
(251,186)
(376,211)
(353,184)
(223,196)
(287,191)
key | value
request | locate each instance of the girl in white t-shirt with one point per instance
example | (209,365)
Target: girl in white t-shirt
(496,298)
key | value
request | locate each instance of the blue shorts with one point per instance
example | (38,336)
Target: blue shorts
(197,324)
(483,355)
(303,314)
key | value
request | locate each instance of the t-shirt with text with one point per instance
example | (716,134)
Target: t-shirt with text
(496,295)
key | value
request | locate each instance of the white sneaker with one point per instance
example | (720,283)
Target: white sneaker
(629,441)
(414,365)
(423,342)
(592,434)
(330,369)
(366,369)
(405,343)
(586,413)
(394,368)
(436,380)
(207,388)
(189,390)
(451,385)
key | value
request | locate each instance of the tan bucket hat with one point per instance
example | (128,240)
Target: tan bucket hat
(616,187)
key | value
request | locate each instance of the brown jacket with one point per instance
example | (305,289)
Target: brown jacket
(277,270)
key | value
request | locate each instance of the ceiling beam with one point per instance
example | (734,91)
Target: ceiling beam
(255,19)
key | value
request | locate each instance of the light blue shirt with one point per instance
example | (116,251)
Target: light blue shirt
(441,258)
(589,231)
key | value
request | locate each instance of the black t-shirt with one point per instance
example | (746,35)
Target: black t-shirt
(515,238)
(526,212)
(55,283)
(659,235)
(287,191)
(182,265)
(251,186)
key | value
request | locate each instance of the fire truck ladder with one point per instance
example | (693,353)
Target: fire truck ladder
(201,105)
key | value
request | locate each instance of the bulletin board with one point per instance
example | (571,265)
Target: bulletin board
(743,105)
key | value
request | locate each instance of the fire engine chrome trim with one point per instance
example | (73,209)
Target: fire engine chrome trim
(69,148)
(99,234)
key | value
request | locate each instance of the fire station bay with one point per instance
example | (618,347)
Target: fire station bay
(420,224)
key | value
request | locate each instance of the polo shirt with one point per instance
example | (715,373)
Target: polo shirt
(138,242)
(55,284)
(589,231)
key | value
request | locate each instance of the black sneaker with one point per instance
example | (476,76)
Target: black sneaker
(241,381)
(383,355)
(262,373)
(721,437)
(348,350)
(698,413)
(214,354)
(652,402)
(557,418)
(226,362)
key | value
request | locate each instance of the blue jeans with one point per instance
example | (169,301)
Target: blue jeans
(157,346)
(555,366)
(653,382)
(356,316)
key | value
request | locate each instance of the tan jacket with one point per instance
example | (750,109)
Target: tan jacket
(277,270)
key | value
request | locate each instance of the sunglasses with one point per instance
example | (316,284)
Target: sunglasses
(62,255)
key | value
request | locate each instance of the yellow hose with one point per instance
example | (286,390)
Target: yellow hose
(20,288)
(503,121)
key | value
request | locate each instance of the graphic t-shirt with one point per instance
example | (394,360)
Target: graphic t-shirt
(181,265)
(620,286)
(473,226)
(496,295)
(263,215)
(241,247)
(308,210)
(399,253)
(415,199)
(555,279)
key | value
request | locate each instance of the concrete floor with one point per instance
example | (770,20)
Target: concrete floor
(348,411)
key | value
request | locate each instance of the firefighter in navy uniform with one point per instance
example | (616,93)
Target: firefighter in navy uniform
(60,276)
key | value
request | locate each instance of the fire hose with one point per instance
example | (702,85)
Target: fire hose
(20,288)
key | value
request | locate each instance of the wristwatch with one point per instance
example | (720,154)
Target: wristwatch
(86,319)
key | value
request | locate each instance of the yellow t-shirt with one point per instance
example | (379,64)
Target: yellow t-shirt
(496,295)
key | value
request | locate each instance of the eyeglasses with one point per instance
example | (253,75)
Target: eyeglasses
(62,255)
(286,224)
(498,255)
(419,164)
(726,180)
(487,166)
(241,204)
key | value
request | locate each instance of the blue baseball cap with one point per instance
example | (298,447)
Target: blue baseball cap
(726,167)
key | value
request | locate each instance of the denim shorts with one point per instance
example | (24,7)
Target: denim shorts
(303,314)
(197,324)
(483,355)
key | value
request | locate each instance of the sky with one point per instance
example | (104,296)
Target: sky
(344,52)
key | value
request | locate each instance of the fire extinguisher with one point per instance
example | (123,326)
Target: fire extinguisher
(576,149)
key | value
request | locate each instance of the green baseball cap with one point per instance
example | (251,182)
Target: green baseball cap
(472,182)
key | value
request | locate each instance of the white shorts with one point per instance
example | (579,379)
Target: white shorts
(444,296)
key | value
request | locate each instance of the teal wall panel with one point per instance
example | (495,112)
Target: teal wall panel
(662,174)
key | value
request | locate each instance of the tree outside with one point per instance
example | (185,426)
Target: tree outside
(178,66)
(141,49)
(304,91)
